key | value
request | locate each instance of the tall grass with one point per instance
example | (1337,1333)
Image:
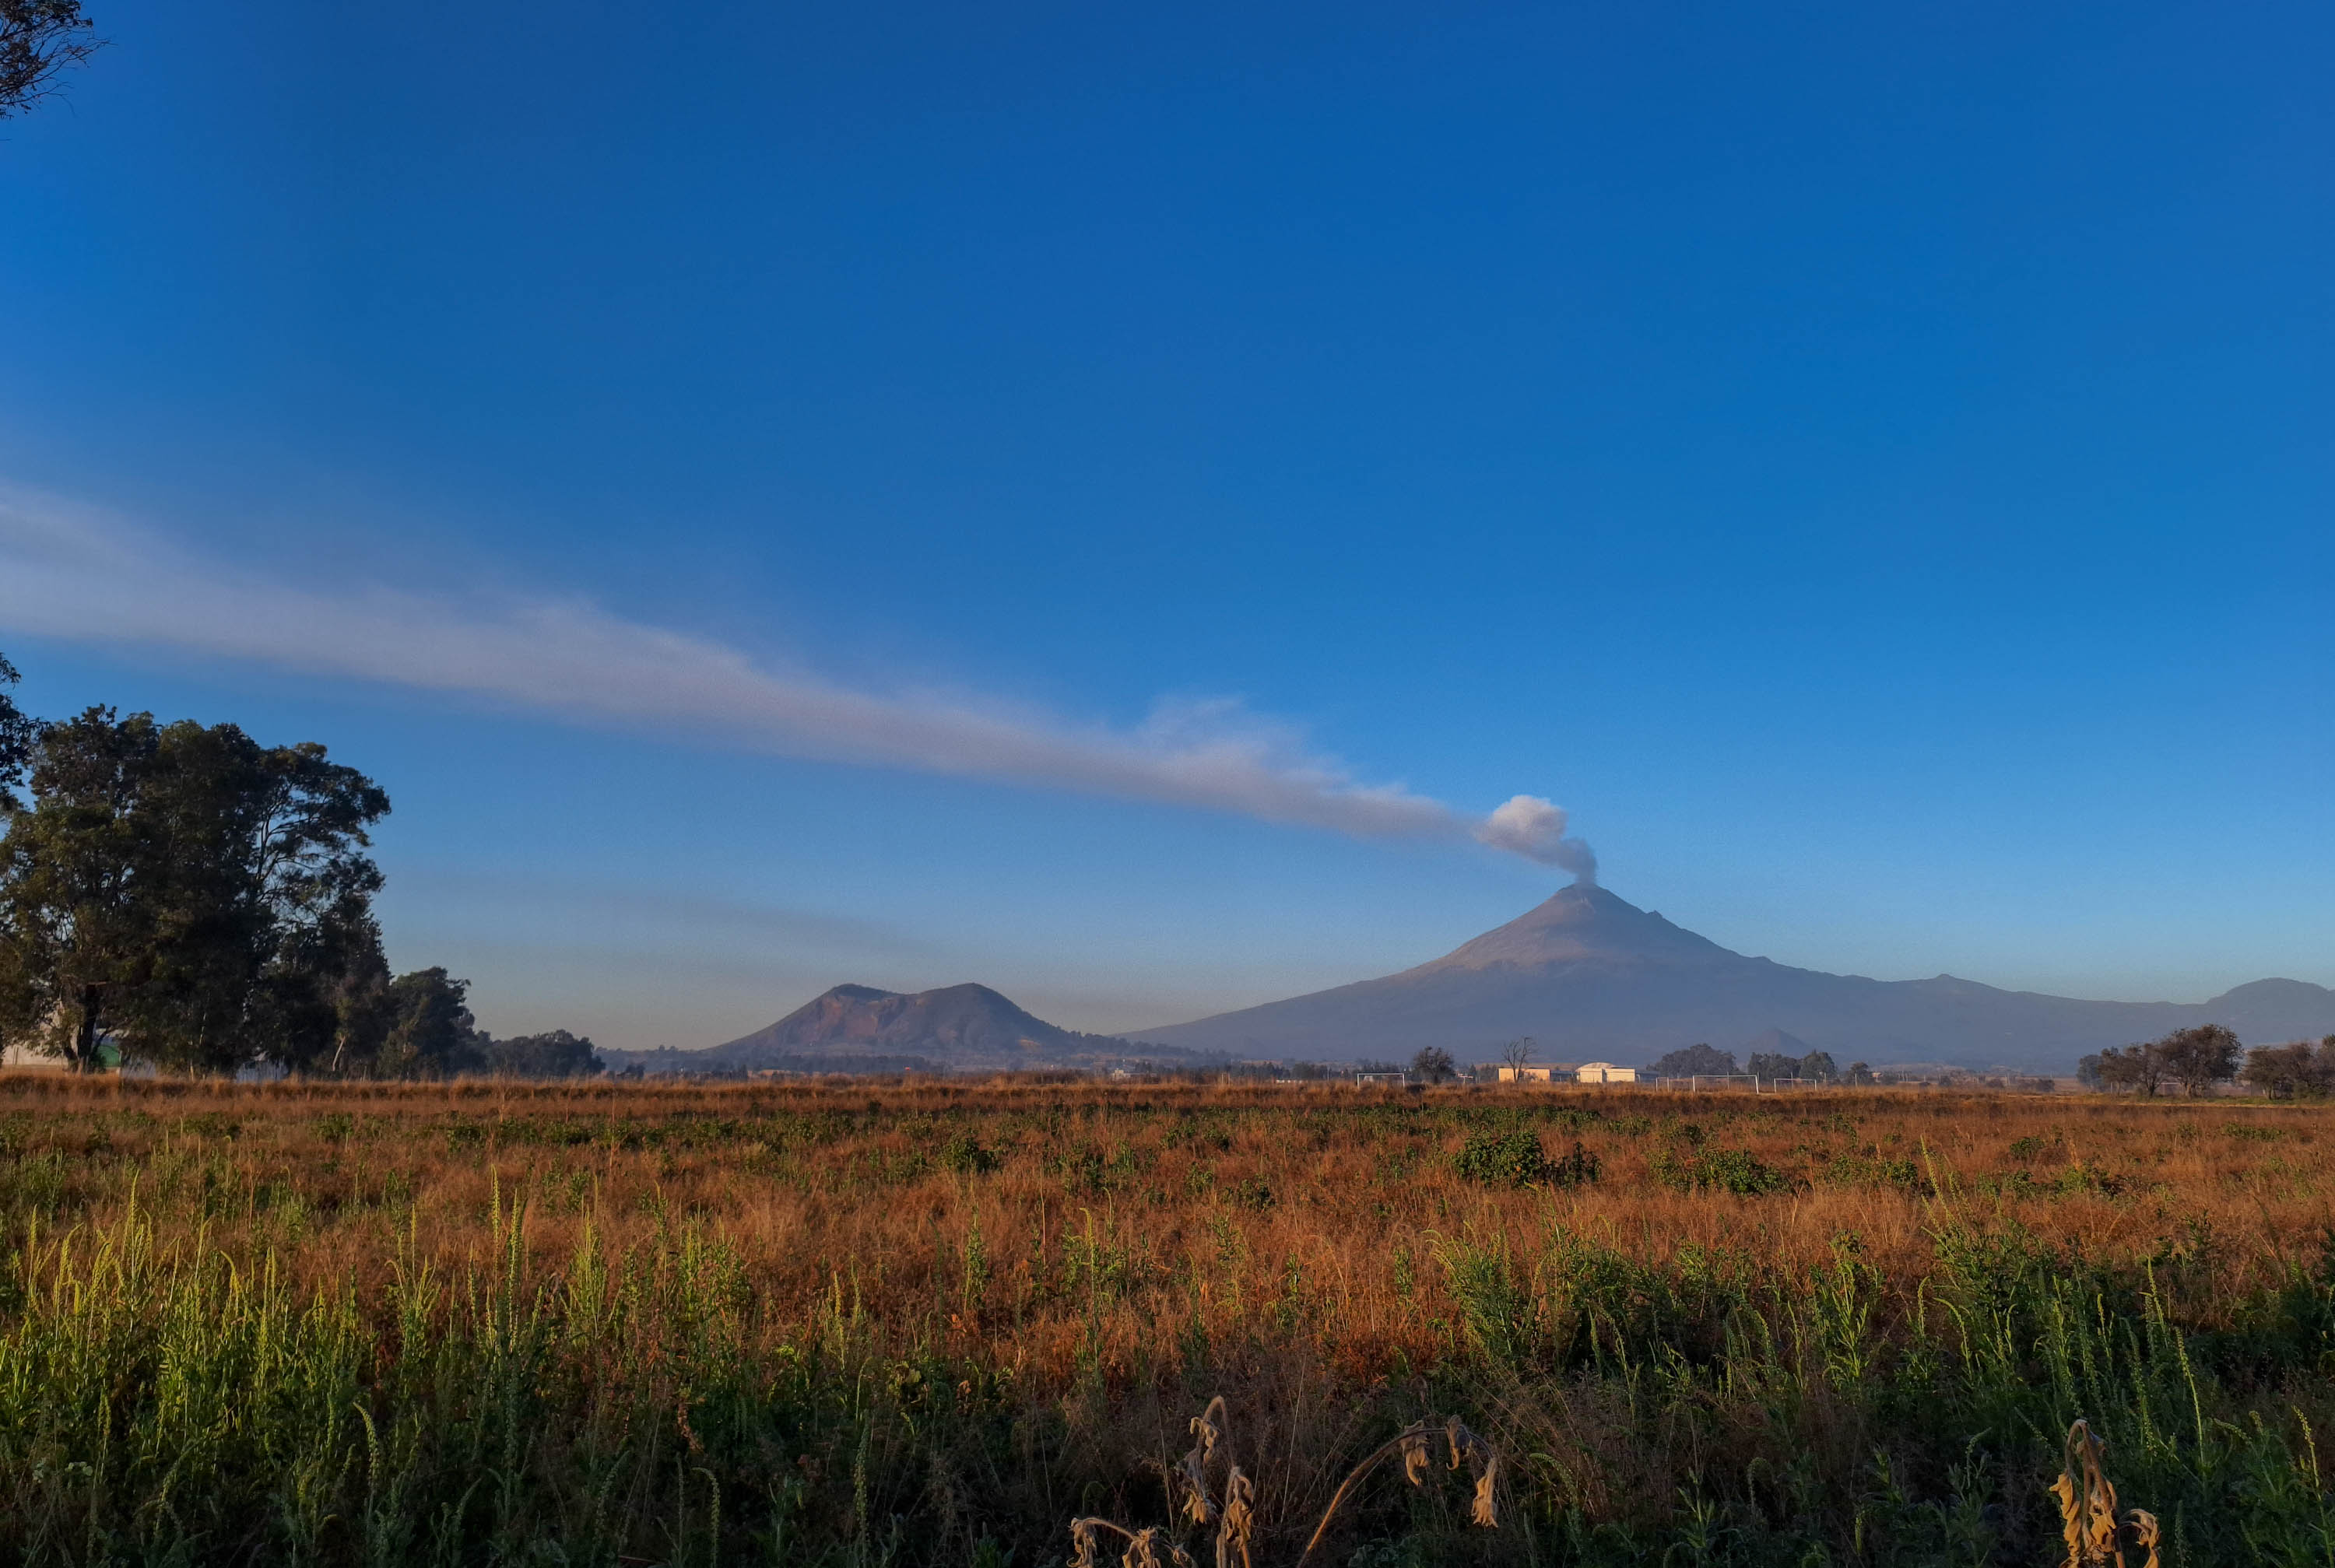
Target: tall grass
(932,1323)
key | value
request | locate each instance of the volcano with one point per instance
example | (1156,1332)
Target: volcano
(1588,973)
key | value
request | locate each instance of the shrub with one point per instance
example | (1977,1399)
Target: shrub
(1731,1170)
(1253,1193)
(1502,1158)
(1878,1169)
(1517,1159)
(1082,1170)
(1575,1169)
(964,1155)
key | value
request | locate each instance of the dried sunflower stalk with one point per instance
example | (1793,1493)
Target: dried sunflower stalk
(1232,1507)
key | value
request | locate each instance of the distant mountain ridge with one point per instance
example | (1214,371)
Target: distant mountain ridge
(859,1028)
(1589,973)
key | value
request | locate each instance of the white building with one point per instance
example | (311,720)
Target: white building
(1604,1072)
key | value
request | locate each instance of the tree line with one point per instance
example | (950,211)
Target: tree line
(181,896)
(1702,1061)
(2196,1060)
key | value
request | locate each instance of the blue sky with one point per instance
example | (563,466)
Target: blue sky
(786,496)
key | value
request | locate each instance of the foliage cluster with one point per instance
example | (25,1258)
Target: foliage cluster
(1433,1064)
(1701,1060)
(39,39)
(2299,1071)
(181,896)
(1515,1159)
(2195,1058)
(1815,1067)
(1727,1170)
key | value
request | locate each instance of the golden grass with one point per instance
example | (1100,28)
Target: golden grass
(718,1315)
(1062,1226)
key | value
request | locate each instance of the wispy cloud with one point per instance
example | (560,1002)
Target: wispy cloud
(70,573)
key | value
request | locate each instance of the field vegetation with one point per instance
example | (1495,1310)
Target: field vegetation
(935,1323)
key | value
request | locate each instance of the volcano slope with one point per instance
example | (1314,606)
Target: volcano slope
(1588,973)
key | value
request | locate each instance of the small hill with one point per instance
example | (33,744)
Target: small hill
(860,1029)
(964,1024)
(1775,1042)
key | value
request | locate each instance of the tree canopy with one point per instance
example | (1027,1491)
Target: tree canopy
(2296,1070)
(38,40)
(1696,1060)
(194,901)
(559,1054)
(1433,1064)
(17,733)
(1816,1067)
(195,895)
(2196,1058)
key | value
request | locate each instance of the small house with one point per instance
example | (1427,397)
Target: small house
(1552,1072)
(1604,1072)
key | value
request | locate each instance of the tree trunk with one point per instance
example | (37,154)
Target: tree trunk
(85,1046)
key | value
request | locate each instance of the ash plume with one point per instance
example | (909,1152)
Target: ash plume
(76,575)
(1534,827)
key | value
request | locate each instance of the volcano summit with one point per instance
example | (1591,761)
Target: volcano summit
(1589,973)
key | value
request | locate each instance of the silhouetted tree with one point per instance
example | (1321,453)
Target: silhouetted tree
(17,734)
(1817,1065)
(77,927)
(1696,1061)
(1516,1053)
(38,39)
(1433,1064)
(194,895)
(430,1032)
(2296,1071)
(2139,1067)
(2199,1058)
(268,899)
(1859,1073)
(556,1054)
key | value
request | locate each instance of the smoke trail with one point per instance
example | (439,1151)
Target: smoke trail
(70,574)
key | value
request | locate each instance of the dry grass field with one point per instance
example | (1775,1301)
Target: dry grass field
(932,1323)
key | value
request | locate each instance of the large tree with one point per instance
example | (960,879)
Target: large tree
(319,989)
(78,928)
(200,899)
(1696,1061)
(430,1031)
(559,1054)
(1433,1064)
(2296,1070)
(17,734)
(38,39)
(2198,1059)
(2140,1068)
